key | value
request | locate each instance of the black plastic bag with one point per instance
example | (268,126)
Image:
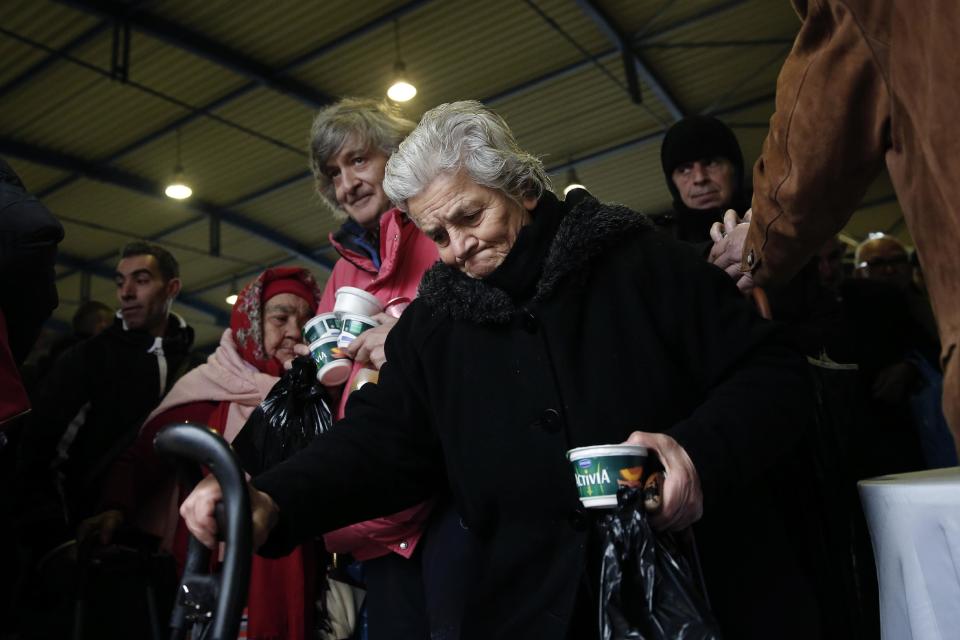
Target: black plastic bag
(648,588)
(292,415)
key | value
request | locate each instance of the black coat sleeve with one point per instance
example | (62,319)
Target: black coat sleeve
(757,402)
(382,457)
(29,235)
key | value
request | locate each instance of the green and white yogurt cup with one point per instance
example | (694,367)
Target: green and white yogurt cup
(323,325)
(333,367)
(352,325)
(602,469)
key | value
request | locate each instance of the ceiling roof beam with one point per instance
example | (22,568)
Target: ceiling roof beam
(635,67)
(241,91)
(643,37)
(36,69)
(606,55)
(719,44)
(182,37)
(123,179)
(75,262)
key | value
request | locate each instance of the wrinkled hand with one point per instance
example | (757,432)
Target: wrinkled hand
(893,384)
(729,238)
(299,349)
(682,502)
(368,347)
(99,528)
(198,511)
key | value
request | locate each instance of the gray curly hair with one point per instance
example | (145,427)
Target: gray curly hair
(376,124)
(463,135)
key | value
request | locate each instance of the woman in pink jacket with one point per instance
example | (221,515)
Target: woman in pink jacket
(383,253)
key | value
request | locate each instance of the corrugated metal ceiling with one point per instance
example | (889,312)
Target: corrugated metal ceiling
(206,69)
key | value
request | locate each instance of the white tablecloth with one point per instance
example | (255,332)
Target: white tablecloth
(914,521)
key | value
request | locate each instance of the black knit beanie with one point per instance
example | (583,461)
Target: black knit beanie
(696,138)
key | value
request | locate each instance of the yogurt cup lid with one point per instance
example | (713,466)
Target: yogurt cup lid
(360,293)
(607,450)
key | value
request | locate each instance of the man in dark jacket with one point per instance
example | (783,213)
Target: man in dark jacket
(703,166)
(29,235)
(98,393)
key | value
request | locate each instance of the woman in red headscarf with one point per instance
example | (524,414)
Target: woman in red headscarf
(222,393)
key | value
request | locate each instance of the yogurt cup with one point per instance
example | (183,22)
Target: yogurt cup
(323,325)
(356,301)
(602,469)
(333,367)
(352,325)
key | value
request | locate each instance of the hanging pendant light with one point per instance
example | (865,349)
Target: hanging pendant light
(573,181)
(402,89)
(177,188)
(232,297)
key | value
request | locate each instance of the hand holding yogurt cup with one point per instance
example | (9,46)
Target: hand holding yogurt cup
(682,497)
(368,346)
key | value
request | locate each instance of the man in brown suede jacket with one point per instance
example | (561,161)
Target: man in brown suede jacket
(866,84)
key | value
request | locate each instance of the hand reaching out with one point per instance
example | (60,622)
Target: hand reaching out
(729,238)
(368,346)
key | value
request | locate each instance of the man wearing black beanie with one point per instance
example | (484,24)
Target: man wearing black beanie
(703,166)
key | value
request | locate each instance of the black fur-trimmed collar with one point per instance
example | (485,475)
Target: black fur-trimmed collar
(586,231)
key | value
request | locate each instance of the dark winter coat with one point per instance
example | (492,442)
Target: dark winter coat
(594,326)
(29,235)
(91,406)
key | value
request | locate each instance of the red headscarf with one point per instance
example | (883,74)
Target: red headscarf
(246,320)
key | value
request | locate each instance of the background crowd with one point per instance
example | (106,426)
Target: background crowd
(77,430)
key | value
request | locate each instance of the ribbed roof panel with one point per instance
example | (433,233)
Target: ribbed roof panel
(45,23)
(560,105)
(215,175)
(295,28)
(35,177)
(278,116)
(127,211)
(636,18)
(456,51)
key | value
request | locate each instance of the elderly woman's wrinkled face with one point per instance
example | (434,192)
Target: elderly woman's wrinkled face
(474,226)
(283,315)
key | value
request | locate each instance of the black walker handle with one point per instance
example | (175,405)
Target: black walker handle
(203,446)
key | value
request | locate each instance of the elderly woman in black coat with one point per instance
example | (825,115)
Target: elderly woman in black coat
(550,325)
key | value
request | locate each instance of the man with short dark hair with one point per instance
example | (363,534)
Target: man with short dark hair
(98,393)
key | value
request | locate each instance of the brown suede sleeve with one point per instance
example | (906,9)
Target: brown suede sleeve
(826,142)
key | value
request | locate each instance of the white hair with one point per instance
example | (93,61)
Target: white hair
(463,136)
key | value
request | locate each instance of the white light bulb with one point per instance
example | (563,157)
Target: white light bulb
(232,299)
(401,91)
(178,191)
